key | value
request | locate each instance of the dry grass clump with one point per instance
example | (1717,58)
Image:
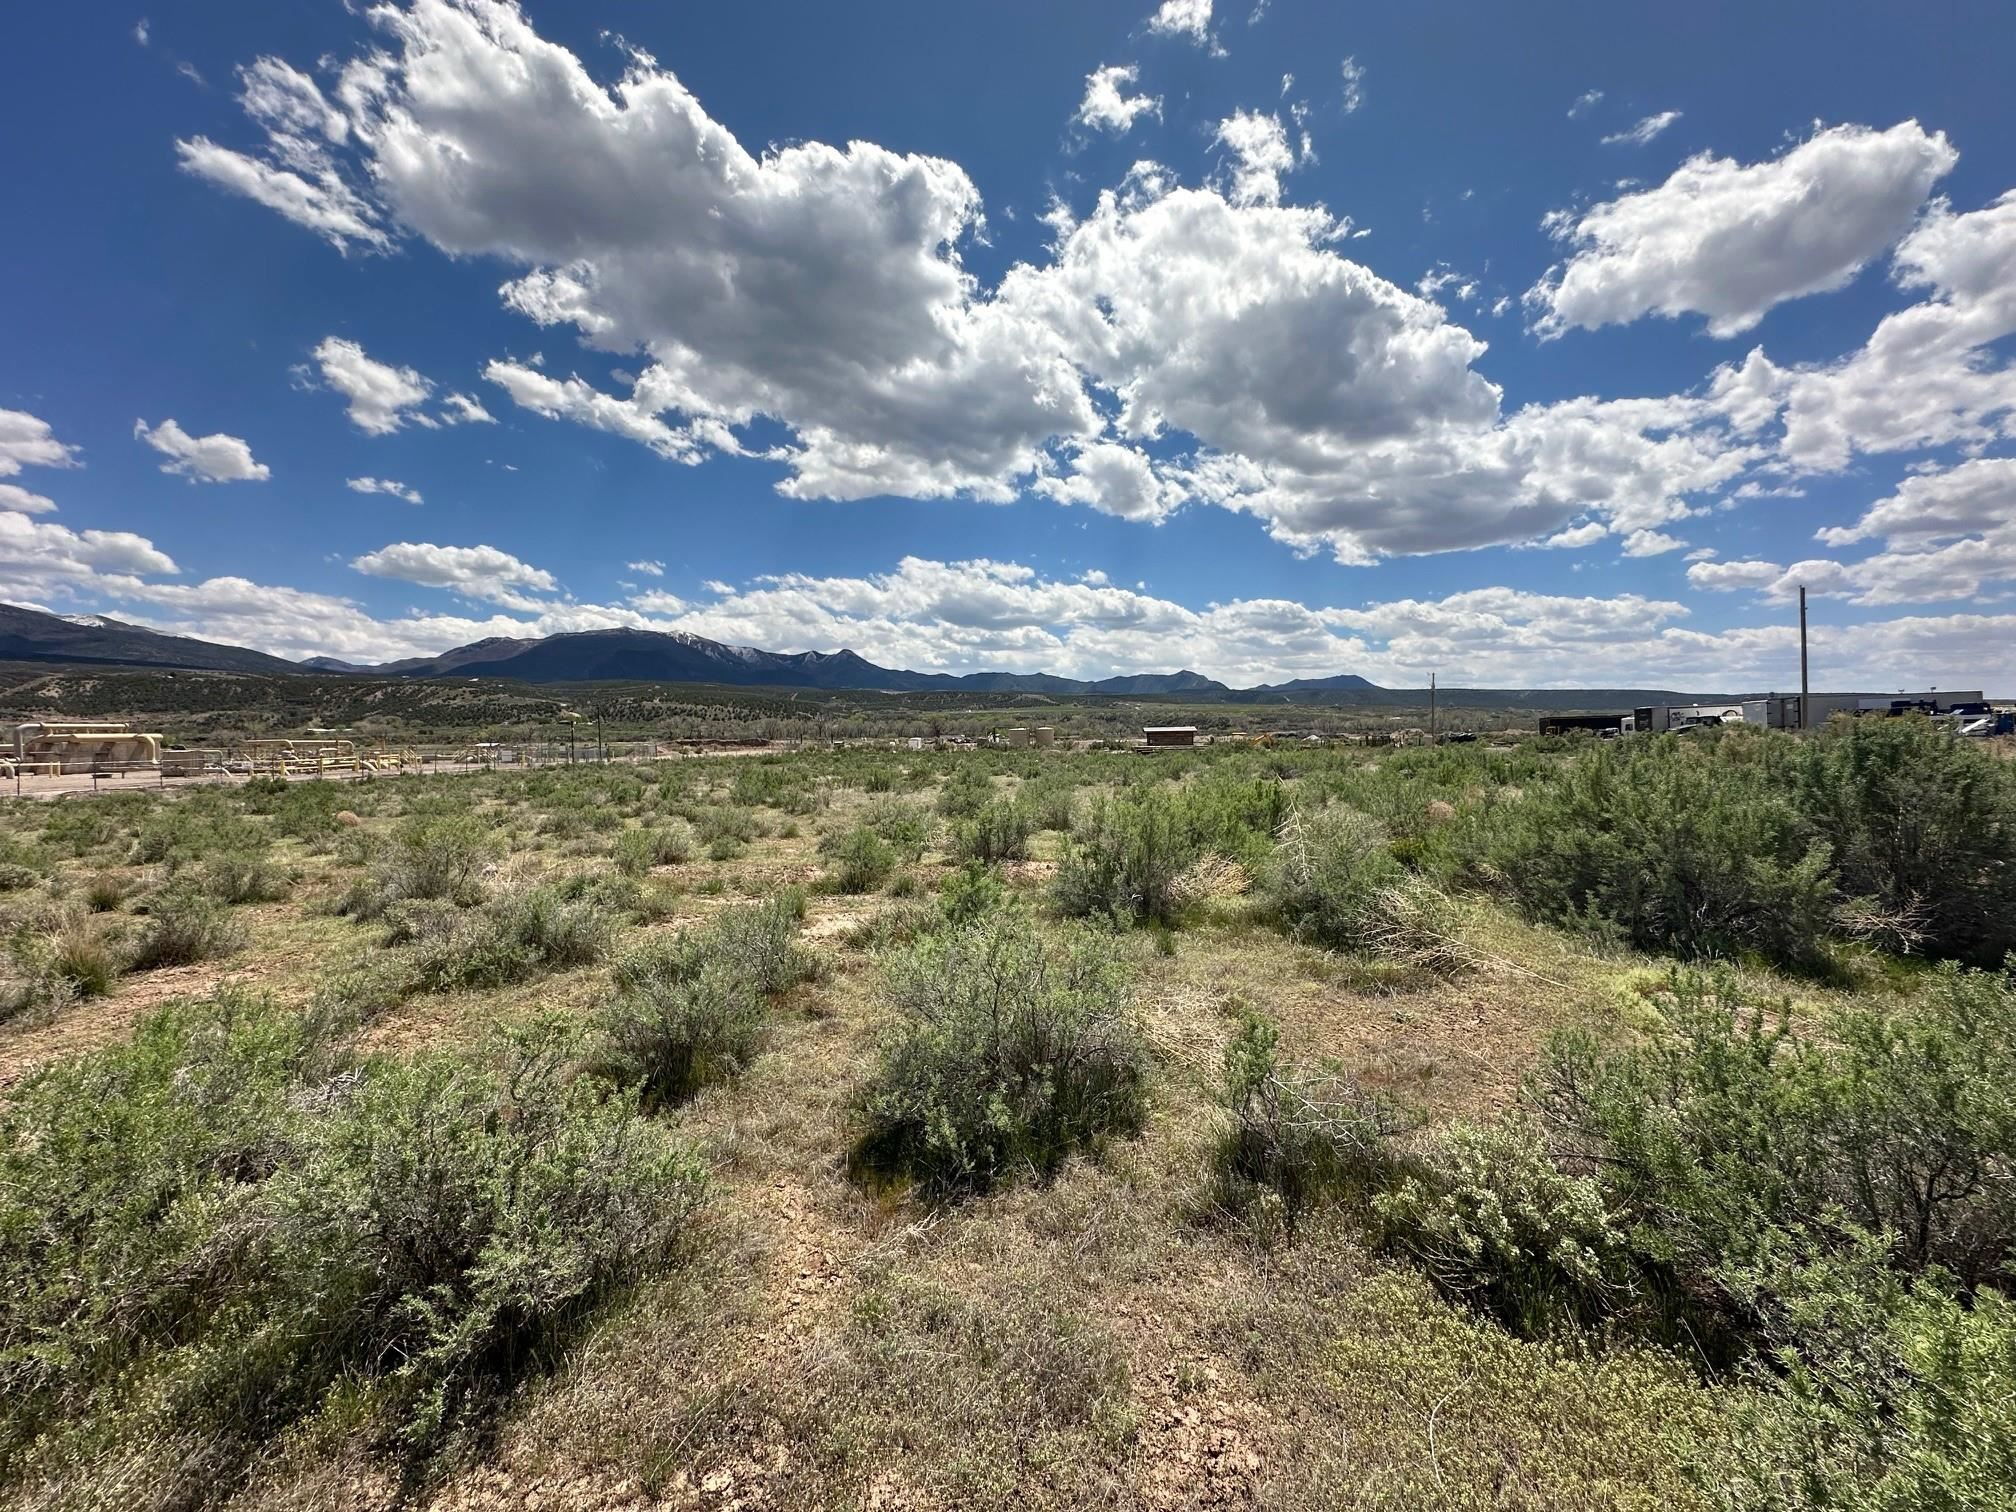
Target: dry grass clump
(1210,877)
(1396,1400)
(53,961)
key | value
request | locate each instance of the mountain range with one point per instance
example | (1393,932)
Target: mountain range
(32,635)
(672,656)
(622,655)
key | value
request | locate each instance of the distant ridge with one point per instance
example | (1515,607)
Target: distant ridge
(92,639)
(657,656)
(672,656)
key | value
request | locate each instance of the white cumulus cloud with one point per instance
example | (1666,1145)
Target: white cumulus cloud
(1107,105)
(1647,543)
(1729,240)
(1183,18)
(26,441)
(1928,375)
(1258,143)
(817,298)
(477,572)
(390,486)
(382,398)
(21,501)
(41,560)
(202,459)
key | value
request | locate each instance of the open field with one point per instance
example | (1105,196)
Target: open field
(1362,1128)
(209,708)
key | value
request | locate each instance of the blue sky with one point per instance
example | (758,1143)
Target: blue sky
(1537,345)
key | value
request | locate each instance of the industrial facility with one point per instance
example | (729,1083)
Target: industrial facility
(1789,711)
(107,748)
(55,748)
(1786,711)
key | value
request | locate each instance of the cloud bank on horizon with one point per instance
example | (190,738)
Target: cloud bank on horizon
(1195,338)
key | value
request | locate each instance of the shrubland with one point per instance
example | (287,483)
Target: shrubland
(1829,1216)
(228,1225)
(1083,1086)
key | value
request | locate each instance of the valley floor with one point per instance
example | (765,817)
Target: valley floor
(1114,1337)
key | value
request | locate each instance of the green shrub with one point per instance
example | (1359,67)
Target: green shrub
(106,892)
(691,1010)
(194,828)
(567,824)
(761,942)
(115,1170)
(82,825)
(638,850)
(759,939)
(51,964)
(1685,847)
(1328,877)
(210,1237)
(1491,1217)
(859,860)
(1011,1049)
(1229,813)
(352,998)
(965,791)
(1302,1134)
(1123,860)
(184,926)
(450,1247)
(1922,830)
(82,956)
(1829,1215)
(15,877)
(1048,804)
(308,810)
(1878,1393)
(549,926)
(675,843)
(672,1033)
(244,876)
(998,830)
(773,783)
(430,856)
(972,891)
(726,823)
(900,925)
(1726,1128)
(906,827)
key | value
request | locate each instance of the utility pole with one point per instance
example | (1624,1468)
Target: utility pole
(1805,691)
(1431,708)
